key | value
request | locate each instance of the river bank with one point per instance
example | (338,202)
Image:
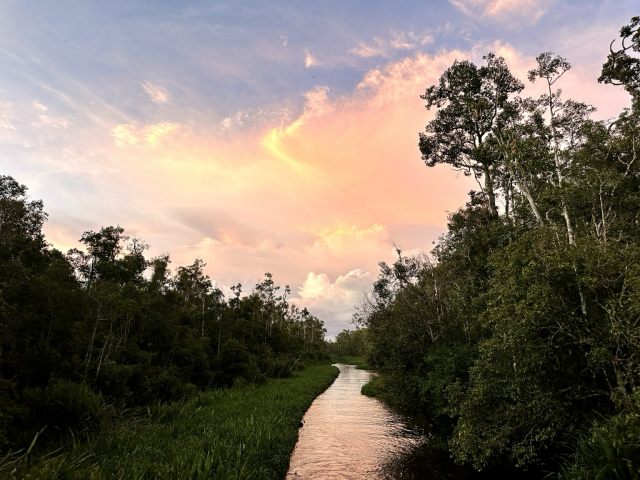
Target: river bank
(238,433)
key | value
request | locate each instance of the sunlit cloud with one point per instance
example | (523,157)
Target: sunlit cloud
(525,10)
(348,240)
(157,94)
(327,190)
(147,136)
(384,47)
(256,119)
(309,60)
(334,302)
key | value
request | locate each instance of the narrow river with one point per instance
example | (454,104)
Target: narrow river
(347,435)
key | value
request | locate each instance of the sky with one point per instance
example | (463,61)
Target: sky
(264,136)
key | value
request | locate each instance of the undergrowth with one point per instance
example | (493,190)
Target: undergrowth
(239,433)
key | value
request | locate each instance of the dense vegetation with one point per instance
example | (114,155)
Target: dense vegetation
(86,335)
(243,432)
(520,335)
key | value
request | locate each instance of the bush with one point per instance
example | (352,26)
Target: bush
(63,406)
(371,389)
(168,387)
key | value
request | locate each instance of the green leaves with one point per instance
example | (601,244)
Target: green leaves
(525,326)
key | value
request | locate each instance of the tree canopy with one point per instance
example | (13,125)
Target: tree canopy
(521,329)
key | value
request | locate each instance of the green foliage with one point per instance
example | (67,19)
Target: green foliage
(522,327)
(239,433)
(89,329)
(609,450)
(350,343)
(371,388)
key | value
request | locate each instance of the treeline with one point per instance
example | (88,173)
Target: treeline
(520,335)
(351,343)
(104,325)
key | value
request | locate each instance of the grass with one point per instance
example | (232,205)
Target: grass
(240,433)
(609,450)
(359,362)
(372,388)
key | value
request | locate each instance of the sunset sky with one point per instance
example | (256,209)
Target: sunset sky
(264,136)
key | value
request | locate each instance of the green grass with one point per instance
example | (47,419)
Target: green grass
(359,362)
(372,388)
(609,450)
(241,433)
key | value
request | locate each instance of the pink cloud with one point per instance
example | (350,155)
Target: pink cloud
(328,191)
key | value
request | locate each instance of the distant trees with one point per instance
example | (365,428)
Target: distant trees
(124,326)
(352,343)
(522,328)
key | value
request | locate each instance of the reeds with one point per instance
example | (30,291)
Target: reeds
(240,433)
(610,450)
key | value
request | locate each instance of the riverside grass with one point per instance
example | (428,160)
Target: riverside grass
(244,432)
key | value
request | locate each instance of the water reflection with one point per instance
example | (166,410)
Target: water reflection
(347,435)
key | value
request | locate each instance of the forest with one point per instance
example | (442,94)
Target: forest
(103,329)
(519,335)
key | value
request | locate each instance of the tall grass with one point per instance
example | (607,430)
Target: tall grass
(610,450)
(240,433)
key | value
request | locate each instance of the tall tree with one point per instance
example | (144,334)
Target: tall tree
(470,101)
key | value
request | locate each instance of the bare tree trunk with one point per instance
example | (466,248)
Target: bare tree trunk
(90,349)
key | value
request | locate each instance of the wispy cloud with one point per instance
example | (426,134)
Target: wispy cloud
(524,10)
(384,47)
(50,120)
(309,60)
(156,93)
(148,136)
(256,119)
(5,116)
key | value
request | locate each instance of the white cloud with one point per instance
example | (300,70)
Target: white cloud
(384,47)
(333,302)
(58,122)
(309,60)
(54,121)
(156,93)
(39,106)
(257,119)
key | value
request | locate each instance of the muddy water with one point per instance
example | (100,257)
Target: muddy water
(347,435)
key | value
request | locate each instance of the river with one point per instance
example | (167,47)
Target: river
(347,435)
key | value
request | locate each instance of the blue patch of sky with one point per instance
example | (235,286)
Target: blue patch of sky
(220,57)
